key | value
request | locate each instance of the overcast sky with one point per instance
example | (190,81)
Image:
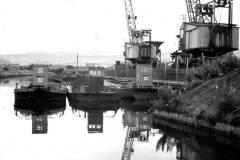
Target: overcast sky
(86,25)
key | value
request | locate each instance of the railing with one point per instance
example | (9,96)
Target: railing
(53,86)
(158,74)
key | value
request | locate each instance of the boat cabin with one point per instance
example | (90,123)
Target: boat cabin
(40,75)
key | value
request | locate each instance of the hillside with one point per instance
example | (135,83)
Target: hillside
(213,95)
(215,98)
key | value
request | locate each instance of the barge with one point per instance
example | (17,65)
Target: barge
(40,89)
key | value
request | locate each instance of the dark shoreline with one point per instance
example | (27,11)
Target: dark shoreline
(13,75)
(178,121)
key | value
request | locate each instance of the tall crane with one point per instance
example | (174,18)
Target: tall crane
(203,17)
(139,48)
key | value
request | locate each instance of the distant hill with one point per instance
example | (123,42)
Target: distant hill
(62,58)
(65,58)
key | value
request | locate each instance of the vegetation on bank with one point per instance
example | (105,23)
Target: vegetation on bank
(213,94)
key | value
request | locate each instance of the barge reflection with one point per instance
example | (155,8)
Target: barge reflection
(93,111)
(39,112)
(39,118)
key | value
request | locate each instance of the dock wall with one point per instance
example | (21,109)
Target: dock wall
(177,119)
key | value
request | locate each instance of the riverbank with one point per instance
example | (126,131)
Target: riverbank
(177,121)
(15,74)
(195,144)
(212,103)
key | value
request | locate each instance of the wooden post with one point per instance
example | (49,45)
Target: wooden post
(187,70)
(203,59)
(177,66)
(115,75)
(230,17)
(165,71)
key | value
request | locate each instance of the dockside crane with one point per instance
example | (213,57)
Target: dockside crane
(205,35)
(140,49)
(140,52)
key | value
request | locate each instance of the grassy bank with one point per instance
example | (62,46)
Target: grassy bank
(213,94)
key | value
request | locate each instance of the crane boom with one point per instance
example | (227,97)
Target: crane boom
(131,24)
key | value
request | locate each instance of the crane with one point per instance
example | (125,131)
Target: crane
(204,15)
(138,49)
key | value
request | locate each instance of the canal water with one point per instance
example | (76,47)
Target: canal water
(74,133)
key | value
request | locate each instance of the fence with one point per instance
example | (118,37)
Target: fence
(158,74)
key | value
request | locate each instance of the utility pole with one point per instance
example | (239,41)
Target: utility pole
(230,16)
(187,69)
(177,66)
(77,65)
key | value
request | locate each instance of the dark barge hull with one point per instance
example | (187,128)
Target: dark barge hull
(49,99)
(138,93)
(135,105)
(101,100)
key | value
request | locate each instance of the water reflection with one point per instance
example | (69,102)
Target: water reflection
(138,122)
(95,122)
(166,143)
(195,145)
(101,131)
(93,111)
(39,113)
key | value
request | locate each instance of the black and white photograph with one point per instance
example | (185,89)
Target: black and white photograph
(119,80)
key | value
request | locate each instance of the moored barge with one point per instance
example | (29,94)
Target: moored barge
(40,89)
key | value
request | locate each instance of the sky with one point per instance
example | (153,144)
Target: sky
(86,26)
